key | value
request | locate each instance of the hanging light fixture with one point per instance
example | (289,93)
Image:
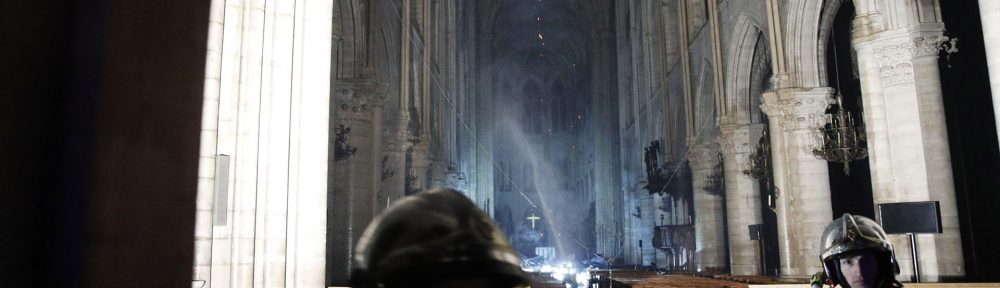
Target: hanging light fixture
(843,139)
(759,162)
(759,167)
(716,182)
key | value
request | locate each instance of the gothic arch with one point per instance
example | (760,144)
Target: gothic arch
(810,21)
(352,47)
(747,51)
(705,99)
(806,29)
(760,74)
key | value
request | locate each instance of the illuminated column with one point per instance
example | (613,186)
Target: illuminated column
(989,12)
(710,238)
(268,109)
(742,196)
(803,203)
(909,153)
(420,167)
(393,164)
(484,120)
(355,181)
(607,167)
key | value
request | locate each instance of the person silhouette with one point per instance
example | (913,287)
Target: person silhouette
(436,238)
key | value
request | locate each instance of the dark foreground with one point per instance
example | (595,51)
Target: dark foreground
(637,279)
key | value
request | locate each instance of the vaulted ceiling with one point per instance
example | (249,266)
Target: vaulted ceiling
(547,42)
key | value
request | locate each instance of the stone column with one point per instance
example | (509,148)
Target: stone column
(908,140)
(439,170)
(709,222)
(483,141)
(804,197)
(742,196)
(268,109)
(770,107)
(393,164)
(607,167)
(989,11)
(352,201)
(421,165)
(422,147)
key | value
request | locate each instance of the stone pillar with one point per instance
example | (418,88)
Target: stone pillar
(422,147)
(989,11)
(908,140)
(804,194)
(646,219)
(483,141)
(709,222)
(353,197)
(742,196)
(393,164)
(770,107)
(270,109)
(421,165)
(607,165)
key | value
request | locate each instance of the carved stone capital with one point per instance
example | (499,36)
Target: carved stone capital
(358,98)
(796,110)
(420,153)
(895,56)
(807,110)
(932,44)
(771,105)
(895,62)
(448,175)
(396,136)
(740,139)
(704,156)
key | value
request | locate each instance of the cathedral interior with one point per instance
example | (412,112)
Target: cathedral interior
(249,143)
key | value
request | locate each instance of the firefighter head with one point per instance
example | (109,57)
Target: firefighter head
(857,253)
(436,238)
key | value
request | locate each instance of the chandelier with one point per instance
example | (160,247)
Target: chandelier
(843,139)
(716,182)
(342,148)
(759,162)
(759,167)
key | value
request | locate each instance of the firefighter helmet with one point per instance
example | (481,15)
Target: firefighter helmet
(851,235)
(431,238)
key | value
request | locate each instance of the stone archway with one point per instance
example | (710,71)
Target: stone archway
(740,130)
(710,249)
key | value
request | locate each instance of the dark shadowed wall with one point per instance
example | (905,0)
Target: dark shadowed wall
(100,109)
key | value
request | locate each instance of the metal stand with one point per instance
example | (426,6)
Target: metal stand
(762,255)
(916,263)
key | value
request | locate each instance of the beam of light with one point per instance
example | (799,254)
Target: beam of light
(541,169)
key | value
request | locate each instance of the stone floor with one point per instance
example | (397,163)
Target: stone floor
(647,279)
(637,279)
